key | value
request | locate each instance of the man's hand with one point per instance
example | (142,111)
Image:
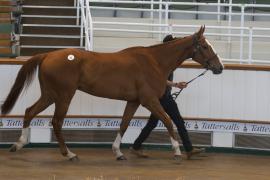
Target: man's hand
(181,85)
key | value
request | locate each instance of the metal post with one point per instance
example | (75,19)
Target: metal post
(242,31)
(218,12)
(78,11)
(90,26)
(152,9)
(170,28)
(86,27)
(160,18)
(250,41)
(167,15)
(230,21)
(152,16)
(82,23)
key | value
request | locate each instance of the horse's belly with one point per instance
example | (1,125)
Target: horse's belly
(112,92)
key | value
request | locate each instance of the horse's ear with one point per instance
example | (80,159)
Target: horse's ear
(201,31)
(203,28)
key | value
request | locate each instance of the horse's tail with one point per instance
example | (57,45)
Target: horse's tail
(23,79)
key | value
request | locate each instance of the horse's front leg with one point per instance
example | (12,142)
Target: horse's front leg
(130,110)
(155,107)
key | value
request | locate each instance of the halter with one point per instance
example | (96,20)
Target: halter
(198,48)
(175,95)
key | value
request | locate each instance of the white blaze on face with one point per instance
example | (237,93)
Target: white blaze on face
(71,57)
(210,45)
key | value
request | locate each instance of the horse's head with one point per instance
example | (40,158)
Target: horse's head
(204,53)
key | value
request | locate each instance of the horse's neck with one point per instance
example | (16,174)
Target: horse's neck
(171,54)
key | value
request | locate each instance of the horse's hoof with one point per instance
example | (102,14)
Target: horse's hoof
(121,158)
(177,158)
(13,148)
(74,159)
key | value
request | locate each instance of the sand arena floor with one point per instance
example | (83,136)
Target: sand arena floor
(99,164)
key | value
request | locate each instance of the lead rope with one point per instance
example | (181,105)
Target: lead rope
(176,94)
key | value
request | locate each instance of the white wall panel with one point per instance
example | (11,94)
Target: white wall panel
(216,91)
(227,91)
(236,94)
(103,106)
(262,95)
(250,93)
(203,90)
(221,139)
(192,95)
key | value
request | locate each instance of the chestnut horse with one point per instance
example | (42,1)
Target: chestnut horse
(137,75)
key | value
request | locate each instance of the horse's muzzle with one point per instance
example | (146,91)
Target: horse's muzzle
(217,70)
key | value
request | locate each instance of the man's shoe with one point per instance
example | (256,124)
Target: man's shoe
(139,153)
(195,151)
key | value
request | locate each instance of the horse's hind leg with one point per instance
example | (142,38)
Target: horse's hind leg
(155,107)
(57,122)
(30,113)
(130,109)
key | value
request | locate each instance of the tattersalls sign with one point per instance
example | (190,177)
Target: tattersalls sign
(114,123)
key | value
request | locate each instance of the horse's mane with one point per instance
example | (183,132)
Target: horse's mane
(155,45)
(168,42)
(163,43)
(151,46)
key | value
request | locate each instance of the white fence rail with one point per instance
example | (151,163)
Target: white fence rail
(86,39)
(164,27)
(163,9)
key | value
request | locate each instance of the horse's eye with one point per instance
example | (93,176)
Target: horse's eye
(205,47)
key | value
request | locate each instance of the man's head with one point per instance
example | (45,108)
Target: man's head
(168,38)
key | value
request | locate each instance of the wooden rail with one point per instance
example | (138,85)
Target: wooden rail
(248,67)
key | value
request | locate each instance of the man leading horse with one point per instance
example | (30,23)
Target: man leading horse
(137,75)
